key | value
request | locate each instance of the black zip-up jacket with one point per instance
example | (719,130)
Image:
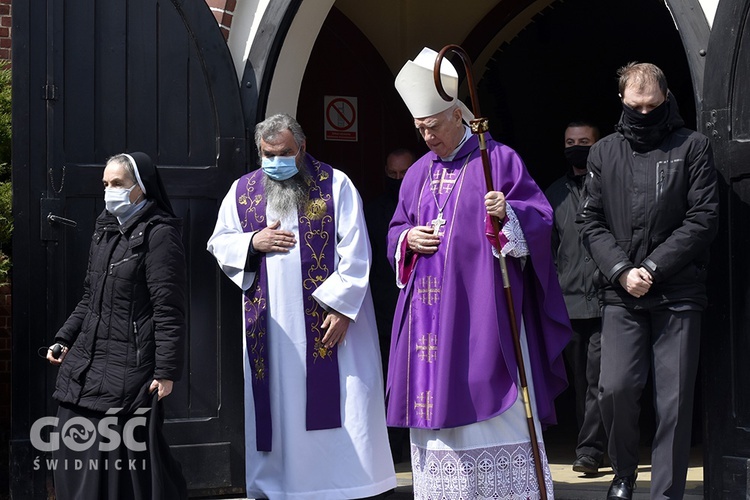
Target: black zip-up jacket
(129,327)
(657,209)
(575,268)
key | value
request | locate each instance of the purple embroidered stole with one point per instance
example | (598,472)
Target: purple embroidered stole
(441,190)
(317,237)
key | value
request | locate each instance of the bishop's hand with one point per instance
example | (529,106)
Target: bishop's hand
(420,239)
(494,202)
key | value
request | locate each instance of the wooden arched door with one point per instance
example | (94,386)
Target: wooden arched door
(93,79)
(726,336)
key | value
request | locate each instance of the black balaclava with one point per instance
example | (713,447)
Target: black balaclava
(645,132)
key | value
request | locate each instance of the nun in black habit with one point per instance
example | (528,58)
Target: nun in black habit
(121,349)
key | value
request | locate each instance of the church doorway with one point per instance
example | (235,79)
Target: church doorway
(558,67)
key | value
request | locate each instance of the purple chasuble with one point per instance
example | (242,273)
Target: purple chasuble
(318,235)
(452,359)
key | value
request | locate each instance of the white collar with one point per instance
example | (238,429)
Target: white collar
(467,134)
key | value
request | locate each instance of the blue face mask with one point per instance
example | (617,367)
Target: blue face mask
(280,168)
(117,200)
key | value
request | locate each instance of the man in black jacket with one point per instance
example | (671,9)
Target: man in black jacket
(648,215)
(575,271)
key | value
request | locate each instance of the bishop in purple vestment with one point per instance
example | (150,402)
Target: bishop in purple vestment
(452,361)
(466,359)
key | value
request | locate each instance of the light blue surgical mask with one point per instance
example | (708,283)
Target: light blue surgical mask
(280,168)
(117,200)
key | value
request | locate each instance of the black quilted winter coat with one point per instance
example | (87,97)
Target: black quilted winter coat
(658,209)
(129,327)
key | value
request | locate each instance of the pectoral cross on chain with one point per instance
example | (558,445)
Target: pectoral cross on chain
(437,223)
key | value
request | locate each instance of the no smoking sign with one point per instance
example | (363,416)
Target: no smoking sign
(340,118)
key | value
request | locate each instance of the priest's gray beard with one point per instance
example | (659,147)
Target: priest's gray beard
(286,197)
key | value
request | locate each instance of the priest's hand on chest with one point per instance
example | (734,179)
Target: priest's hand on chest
(273,239)
(421,239)
(335,324)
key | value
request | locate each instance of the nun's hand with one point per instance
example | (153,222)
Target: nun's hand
(162,385)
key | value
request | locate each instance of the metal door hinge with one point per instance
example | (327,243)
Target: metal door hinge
(49,92)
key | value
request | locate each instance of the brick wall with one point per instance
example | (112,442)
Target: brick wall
(223,12)
(5,24)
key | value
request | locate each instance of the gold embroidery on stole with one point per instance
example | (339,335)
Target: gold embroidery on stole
(316,210)
(254,331)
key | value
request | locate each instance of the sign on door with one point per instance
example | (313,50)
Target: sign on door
(340,118)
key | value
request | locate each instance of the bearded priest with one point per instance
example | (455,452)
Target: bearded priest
(292,236)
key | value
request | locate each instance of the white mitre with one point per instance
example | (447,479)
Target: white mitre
(416,84)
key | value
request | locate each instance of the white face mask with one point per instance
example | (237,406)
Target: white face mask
(117,200)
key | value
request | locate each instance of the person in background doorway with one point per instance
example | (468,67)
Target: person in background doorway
(649,212)
(122,346)
(292,236)
(378,214)
(575,270)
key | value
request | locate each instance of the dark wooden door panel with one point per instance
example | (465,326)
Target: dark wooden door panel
(726,340)
(132,75)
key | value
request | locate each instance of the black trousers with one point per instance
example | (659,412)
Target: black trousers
(583,353)
(666,341)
